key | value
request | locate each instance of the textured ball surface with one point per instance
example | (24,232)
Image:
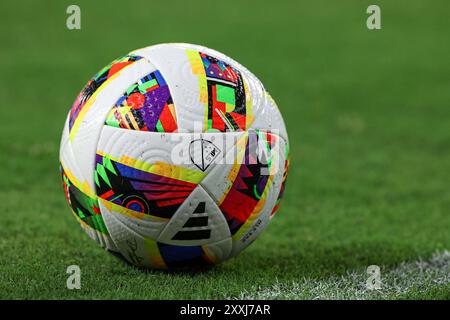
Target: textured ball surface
(174,156)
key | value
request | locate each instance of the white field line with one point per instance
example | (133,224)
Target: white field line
(419,275)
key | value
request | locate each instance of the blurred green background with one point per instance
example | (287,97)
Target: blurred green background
(368,116)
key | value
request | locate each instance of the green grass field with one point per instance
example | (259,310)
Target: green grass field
(369,124)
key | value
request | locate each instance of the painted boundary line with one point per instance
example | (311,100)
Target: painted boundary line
(414,276)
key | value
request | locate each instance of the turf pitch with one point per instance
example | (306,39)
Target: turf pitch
(368,119)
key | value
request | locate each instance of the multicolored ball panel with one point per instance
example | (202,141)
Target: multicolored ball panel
(146,106)
(183,256)
(250,181)
(86,208)
(283,183)
(81,104)
(157,190)
(222,87)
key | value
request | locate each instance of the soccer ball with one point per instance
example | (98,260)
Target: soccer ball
(174,156)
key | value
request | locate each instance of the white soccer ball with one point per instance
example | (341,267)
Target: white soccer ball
(174,156)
